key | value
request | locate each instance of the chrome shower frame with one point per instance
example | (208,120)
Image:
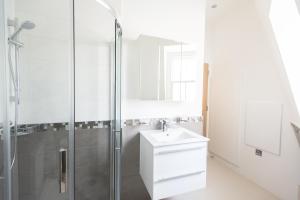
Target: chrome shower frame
(116,127)
(7,175)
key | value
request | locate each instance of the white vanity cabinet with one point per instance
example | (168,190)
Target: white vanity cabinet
(172,167)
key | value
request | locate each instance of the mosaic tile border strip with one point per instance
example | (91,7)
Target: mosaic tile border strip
(26,129)
(155,121)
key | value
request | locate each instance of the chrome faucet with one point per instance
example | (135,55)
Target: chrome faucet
(164,125)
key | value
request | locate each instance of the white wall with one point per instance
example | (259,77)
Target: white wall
(93,82)
(44,62)
(45,81)
(245,66)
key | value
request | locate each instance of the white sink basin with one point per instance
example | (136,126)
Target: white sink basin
(172,136)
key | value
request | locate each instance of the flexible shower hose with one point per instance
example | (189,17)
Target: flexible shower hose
(16,90)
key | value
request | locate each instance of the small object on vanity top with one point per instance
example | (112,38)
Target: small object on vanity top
(128,122)
(183,120)
(144,121)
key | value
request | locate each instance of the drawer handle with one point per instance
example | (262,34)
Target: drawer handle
(179,176)
(63,170)
(178,150)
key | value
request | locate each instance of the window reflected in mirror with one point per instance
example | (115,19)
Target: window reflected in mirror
(162,70)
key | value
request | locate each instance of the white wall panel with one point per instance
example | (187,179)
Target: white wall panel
(263,125)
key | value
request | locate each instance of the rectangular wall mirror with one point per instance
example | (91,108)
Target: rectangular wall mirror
(162,70)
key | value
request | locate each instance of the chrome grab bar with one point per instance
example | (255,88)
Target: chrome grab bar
(63,165)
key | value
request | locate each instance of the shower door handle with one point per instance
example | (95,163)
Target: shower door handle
(63,165)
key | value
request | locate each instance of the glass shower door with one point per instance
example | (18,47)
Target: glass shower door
(60,122)
(39,71)
(97,132)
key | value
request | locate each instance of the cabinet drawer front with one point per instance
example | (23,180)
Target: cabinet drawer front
(171,163)
(176,186)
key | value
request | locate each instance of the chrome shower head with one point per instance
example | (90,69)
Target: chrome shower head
(25,25)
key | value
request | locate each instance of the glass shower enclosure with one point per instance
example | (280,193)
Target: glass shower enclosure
(60,100)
